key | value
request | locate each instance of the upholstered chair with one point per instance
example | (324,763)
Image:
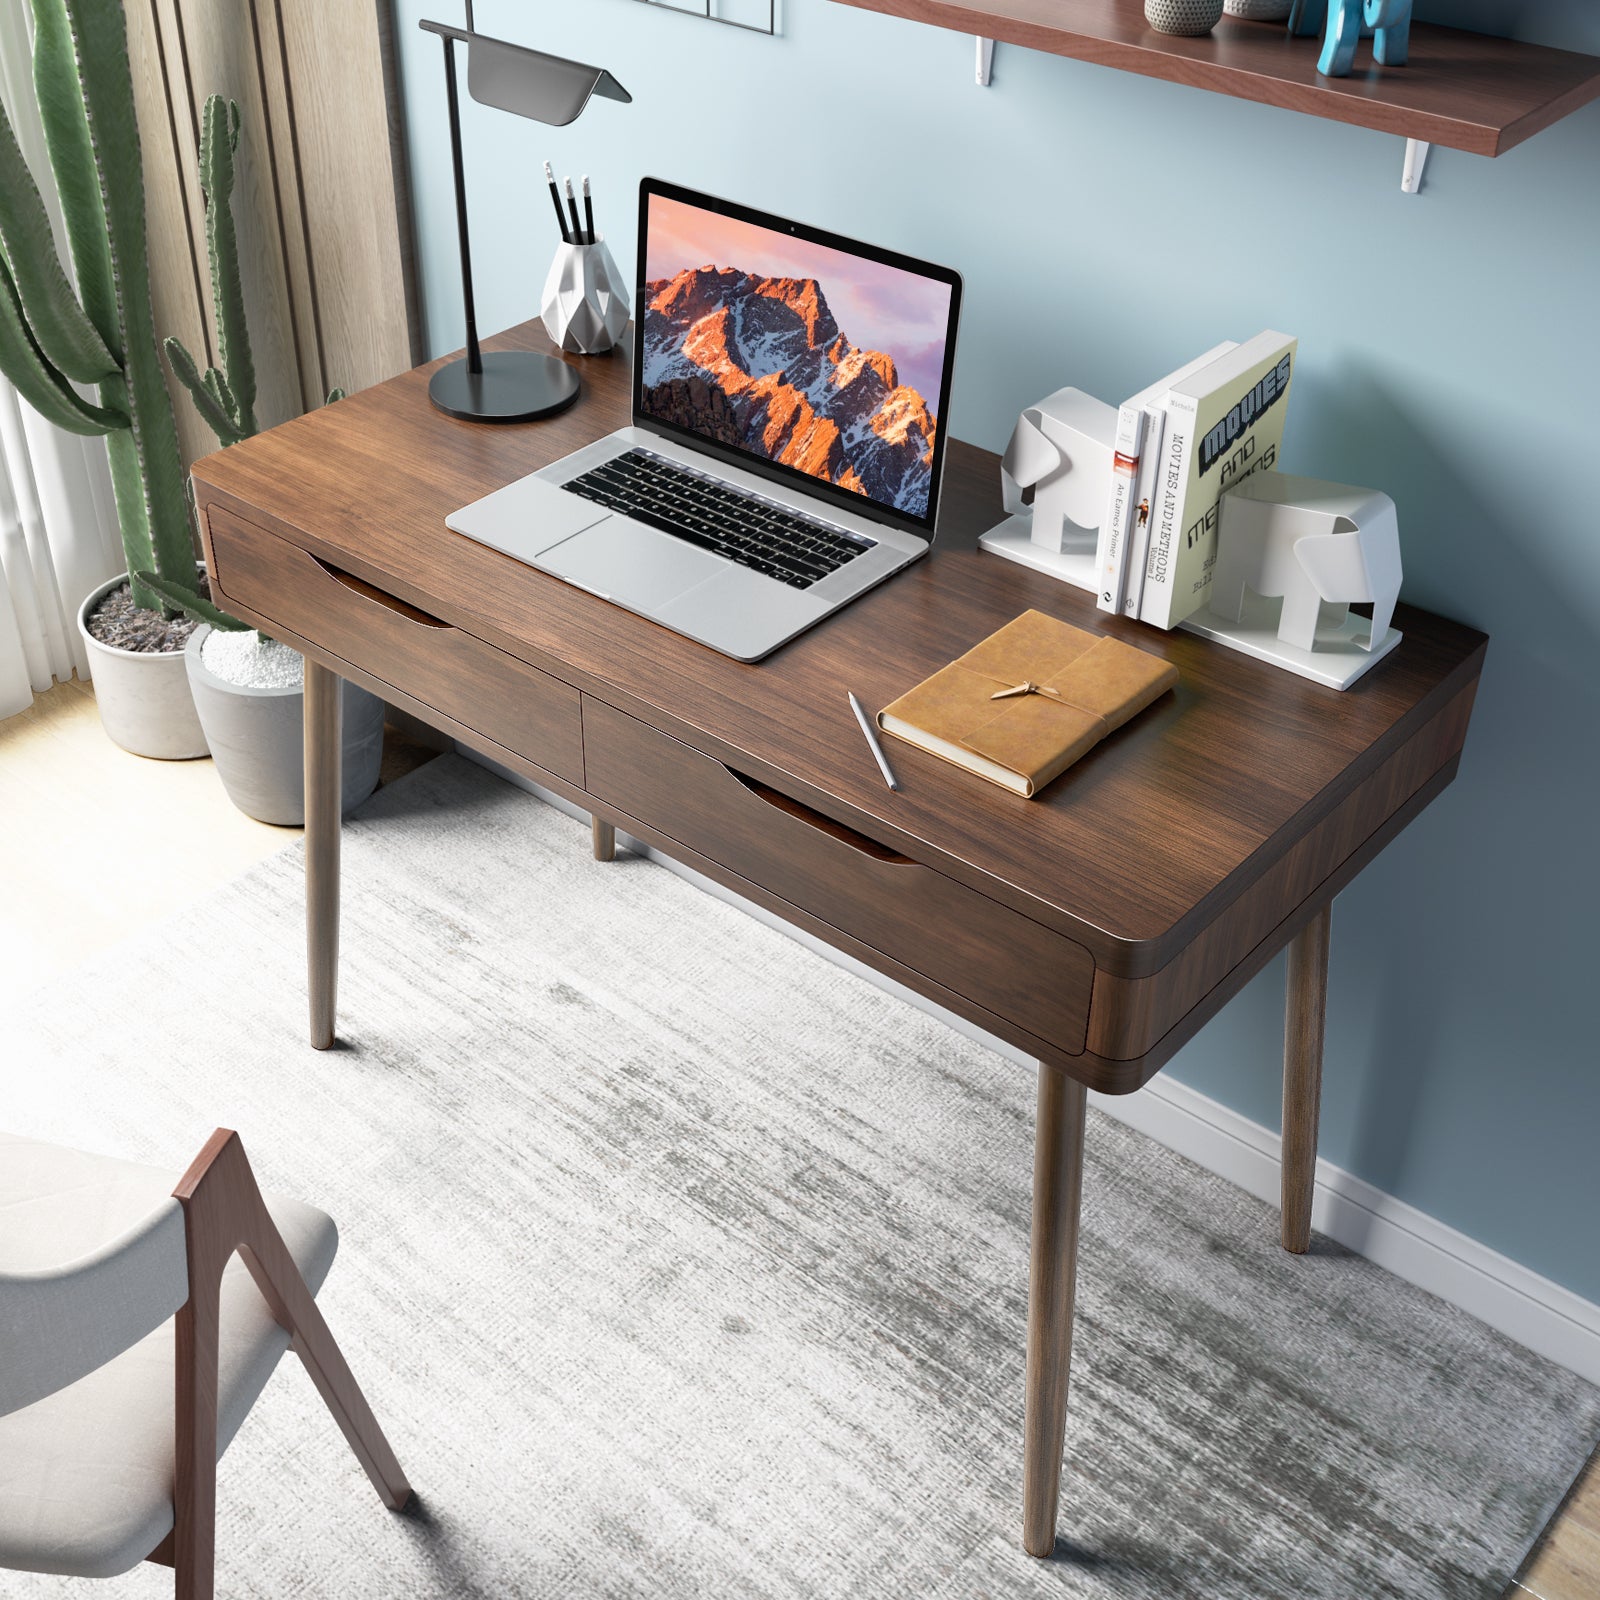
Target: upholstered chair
(133,1345)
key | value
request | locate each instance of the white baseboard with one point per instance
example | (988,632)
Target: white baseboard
(1535,1312)
(1414,1246)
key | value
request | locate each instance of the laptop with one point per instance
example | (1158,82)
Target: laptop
(790,388)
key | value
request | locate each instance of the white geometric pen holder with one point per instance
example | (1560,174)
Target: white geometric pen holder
(585,306)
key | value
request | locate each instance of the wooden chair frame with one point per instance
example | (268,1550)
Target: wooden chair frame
(224,1213)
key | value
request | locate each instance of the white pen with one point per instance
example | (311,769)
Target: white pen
(872,743)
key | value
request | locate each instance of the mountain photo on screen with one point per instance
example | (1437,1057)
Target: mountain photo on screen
(818,359)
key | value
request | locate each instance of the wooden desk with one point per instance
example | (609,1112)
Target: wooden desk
(1097,927)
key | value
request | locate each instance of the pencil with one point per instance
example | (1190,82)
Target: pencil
(555,200)
(572,206)
(873,745)
(588,210)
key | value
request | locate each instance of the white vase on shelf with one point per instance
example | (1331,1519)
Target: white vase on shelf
(585,306)
(1184,17)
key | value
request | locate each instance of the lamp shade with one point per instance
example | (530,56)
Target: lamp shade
(529,83)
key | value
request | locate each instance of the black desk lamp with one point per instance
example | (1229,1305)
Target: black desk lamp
(508,385)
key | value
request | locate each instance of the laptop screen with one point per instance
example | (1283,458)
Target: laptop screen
(794,352)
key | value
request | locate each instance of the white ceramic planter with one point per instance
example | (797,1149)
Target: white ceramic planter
(585,306)
(144,699)
(257,739)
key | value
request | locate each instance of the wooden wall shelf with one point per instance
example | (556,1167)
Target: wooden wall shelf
(1464,90)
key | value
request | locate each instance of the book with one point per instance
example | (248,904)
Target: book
(1154,401)
(1111,549)
(1223,423)
(1022,706)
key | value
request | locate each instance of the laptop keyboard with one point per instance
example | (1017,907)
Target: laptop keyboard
(757,533)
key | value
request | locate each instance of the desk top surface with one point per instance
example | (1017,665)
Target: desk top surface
(1131,851)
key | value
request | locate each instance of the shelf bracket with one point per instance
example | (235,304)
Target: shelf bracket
(985,62)
(1416,162)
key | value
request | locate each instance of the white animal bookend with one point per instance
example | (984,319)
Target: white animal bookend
(1062,450)
(1319,548)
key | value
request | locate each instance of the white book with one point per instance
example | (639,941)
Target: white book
(1224,422)
(1111,549)
(1141,499)
(1144,494)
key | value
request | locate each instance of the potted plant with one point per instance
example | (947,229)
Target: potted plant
(247,687)
(53,340)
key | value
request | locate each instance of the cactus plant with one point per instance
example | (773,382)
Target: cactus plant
(51,339)
(224,396)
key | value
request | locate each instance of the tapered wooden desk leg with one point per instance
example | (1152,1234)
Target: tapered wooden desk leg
(1052,1280)
(324,709)
(605,840)
(1305,1016)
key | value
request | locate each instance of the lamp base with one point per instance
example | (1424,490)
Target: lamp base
(514,386)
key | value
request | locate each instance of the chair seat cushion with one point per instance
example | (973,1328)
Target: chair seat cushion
(86,1473)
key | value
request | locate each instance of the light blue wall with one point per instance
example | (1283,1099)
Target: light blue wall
(1449,345)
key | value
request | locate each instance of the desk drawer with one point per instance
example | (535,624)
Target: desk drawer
(481,687)
(1001,960)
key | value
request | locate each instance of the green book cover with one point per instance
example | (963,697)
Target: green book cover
(1222,424)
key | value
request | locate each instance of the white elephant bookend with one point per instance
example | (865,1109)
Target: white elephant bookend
(1293,555)
(1062,450)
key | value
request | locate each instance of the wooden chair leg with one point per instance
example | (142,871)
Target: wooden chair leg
(324,704)
(605,841)
(1052,1284)
(1305,1018)
(191,1548)
(224,1212)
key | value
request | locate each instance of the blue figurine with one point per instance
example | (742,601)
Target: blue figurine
(1390,18)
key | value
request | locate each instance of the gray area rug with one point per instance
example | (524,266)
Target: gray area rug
(679,1263)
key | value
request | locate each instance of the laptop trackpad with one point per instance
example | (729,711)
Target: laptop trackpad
(526,517)
(625,561)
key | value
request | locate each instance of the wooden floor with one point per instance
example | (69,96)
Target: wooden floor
(1566,1564)
(96,842)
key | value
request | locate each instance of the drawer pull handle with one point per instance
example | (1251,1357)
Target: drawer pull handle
(858,842)
(377,596)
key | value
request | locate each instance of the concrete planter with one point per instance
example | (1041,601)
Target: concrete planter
(144,700)
(257,739)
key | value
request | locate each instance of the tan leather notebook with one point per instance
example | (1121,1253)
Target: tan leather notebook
(1022,706)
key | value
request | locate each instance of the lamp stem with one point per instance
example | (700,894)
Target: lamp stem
(474,354)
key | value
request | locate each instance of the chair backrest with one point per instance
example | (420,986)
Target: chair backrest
(93,1258)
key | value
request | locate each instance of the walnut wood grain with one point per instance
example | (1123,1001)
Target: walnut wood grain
(1130,1016)
(1305,1019)
(1098,1072)
(913,914)
(1052,1287)
(1465,90)
(511,702)
(1130,854)
(225,1215)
